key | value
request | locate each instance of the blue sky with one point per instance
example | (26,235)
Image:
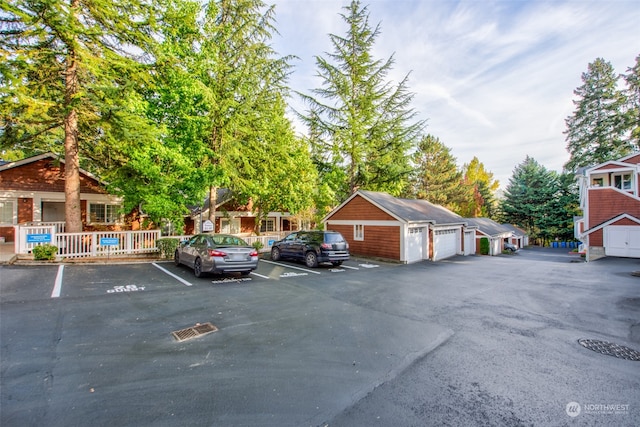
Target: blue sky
(493,79)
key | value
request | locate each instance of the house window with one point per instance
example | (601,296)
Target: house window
(358,232)
(103,213)
(598,182)
(623,181)
(230,225)
(7,212)
(268,225)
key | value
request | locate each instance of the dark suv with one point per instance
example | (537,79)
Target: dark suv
(313,247)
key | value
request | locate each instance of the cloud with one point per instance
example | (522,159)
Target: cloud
(494,79)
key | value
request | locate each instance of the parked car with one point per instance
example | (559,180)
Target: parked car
(510,247)
(313,247)
(217,253)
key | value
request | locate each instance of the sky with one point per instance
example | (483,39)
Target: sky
(493,79)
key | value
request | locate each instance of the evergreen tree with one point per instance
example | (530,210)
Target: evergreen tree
(632,78)
(527,198)
(68,80)
(361,127)
(596,131)
(245,80)
(436,176)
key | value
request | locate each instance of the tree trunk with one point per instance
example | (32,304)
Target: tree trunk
(72,208)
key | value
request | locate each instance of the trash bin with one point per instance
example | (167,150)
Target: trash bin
(554,244)
(563,244)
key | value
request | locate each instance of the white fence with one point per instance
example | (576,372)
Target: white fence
(103,243)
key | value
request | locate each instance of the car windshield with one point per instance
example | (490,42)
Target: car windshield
(228,241)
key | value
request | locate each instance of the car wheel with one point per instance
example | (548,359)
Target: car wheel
(311,259)
(176,258)
(337,263)
(275,254)
(197,267)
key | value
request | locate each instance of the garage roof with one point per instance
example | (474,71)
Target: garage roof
(489,226)
(407,210)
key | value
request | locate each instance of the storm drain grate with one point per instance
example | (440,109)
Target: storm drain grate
(610,349)
(194,331)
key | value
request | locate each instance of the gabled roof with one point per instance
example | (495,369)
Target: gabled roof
(489,226)
(611,221)
(406,210)
(10,165)
(518,232)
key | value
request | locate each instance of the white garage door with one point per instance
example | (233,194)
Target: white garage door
(469,242)
(445,244)
(415,244)
(621,240)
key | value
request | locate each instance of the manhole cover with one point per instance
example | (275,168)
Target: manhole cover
(194,331)
(610,349)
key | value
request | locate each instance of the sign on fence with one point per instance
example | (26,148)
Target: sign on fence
(39,238)
(109,241)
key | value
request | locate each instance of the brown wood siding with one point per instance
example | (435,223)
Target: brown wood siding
(595,238)
(379,241)
(605,203)
(44,175)
(8,233)
(247,224)
(361,209)
(606,167)
(25,210)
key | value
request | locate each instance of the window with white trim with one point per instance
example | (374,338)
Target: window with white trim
(623,181)
(102,213)
(7,211)
(358,232)
(268,225)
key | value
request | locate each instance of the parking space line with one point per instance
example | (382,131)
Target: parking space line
(57,286)
(347,266)
(259,275)
(290,266)
(178,278)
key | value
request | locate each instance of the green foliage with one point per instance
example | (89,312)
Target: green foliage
(597,129)
(167,246)
(484,246)
(632,93)
(541,202)
(436,176)
(44,252)
(257,245)
(361,128)
(481,189)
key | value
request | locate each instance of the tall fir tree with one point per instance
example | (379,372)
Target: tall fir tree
(527,197)
(436,176)
(596,130)
(361,127)
(68,80)
(632,92)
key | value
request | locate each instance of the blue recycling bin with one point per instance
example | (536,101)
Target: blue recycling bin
(554,244)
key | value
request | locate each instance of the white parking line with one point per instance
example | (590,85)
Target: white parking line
(178,278)
(290,266)
(259,275)
(57,287)
(347,266)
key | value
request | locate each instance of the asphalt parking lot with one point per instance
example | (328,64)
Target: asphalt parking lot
(466,341)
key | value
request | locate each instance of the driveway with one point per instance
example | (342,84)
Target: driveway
(467,341)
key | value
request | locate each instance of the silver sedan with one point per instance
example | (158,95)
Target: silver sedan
(217,253)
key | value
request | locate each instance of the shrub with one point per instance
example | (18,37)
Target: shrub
(45,252)
(484,246)
(257,245)
(167,246)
